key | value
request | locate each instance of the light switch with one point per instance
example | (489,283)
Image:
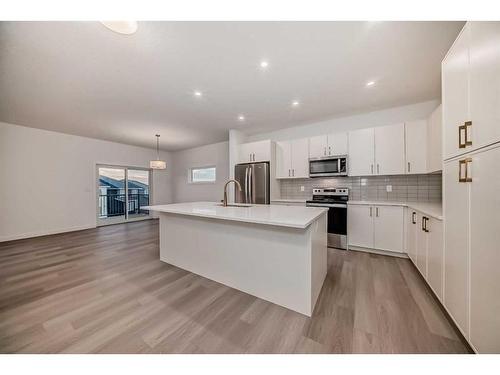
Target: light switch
(302,188)
(388,188)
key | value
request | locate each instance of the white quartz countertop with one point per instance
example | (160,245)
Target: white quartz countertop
(432,209)
(285,216)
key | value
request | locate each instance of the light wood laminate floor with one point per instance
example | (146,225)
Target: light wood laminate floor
(105,290)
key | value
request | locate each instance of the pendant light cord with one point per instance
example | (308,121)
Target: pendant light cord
(157,147)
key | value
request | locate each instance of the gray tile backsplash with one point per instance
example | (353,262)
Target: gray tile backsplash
(411,188)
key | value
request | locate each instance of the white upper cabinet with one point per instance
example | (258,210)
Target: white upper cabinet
(390,150)
(434,141)
(318,146)
(328,145)
(254,152)
(292,159)
(471,89)
(300,158)
(361,152)
(455,79)
(337,144)
(283,159)
(416,147)
(484,55)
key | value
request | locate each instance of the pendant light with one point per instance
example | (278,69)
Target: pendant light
(157,164)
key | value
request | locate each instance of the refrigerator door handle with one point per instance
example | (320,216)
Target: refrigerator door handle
(246,185)
(250,182)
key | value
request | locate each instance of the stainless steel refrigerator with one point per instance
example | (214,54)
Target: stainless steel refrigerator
(254,181)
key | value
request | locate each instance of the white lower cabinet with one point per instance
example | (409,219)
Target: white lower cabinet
(425,248)
(388,233)
(411,234)
(376,227)
(485,251)
(456,238)
(360,225)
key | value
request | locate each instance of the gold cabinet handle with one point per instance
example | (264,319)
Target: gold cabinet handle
(462,129)
(468,162)
(413,218)
(467,125)
(464,163)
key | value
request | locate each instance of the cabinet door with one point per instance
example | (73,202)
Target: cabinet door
(411,228)
(261,150)
(485,252)
(318,146)
(435,256)
(300,158)
(337,144)
(244,153)
(456,239)
(416,147)
(283,160)
(434,141)
(388,226)
(361,152)
(455,83)
(421,245)
(390,149)
(484,50)
(360,225)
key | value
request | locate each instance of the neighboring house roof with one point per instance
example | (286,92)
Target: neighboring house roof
(120,184)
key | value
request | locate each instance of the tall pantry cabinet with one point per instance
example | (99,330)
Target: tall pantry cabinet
(471,184)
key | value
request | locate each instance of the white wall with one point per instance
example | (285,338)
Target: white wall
(48,179)
(365,120)
(217,155)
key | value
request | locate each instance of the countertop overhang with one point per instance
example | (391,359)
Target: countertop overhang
(283,216)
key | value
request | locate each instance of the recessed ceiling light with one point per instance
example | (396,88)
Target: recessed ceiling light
(241,118)
(264,64)
(198,93)
(370,83)
(295,103)
(121,27)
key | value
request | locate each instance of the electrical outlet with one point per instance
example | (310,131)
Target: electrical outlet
(302,188)
(388,188)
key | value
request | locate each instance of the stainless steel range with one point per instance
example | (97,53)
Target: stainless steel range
(335,199)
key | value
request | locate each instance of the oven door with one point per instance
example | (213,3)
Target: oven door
(337,223)
(324,167)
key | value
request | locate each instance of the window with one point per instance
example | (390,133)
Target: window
(202,174)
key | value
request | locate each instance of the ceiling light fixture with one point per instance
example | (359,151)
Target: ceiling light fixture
(264,64)
(121,27)
(157,164)
(295,103)
(241,118)
(371,83)
(198,93)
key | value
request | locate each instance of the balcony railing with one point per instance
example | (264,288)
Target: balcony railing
(114,204)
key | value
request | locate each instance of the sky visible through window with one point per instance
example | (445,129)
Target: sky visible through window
(206,174)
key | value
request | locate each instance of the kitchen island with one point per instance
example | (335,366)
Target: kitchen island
(277,253)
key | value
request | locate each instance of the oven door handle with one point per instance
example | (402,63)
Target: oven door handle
(334,205)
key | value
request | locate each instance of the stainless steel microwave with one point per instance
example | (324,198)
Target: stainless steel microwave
(328,167)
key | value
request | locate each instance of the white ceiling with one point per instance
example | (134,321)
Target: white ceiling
(81,78)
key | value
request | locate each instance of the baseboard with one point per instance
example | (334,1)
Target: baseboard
(45,233)
(379,252)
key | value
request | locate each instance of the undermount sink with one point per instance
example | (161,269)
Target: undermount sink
(235,205)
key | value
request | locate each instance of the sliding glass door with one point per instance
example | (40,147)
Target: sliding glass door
(122,192)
